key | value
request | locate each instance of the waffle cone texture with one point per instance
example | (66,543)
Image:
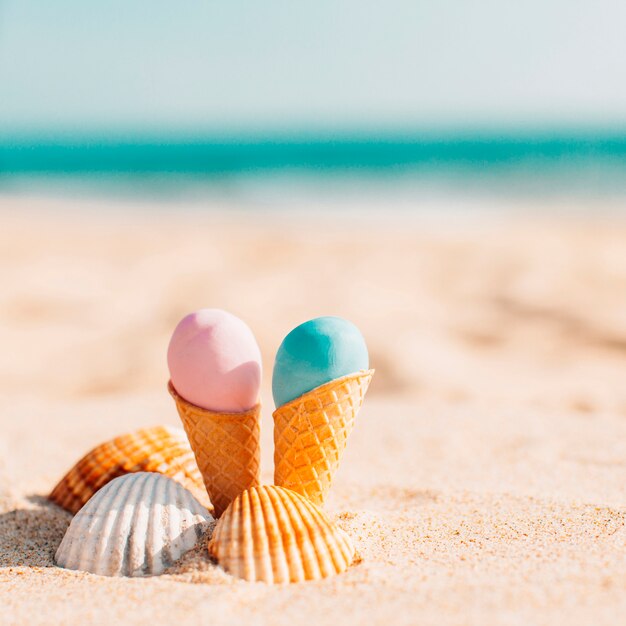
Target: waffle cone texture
(226,447)
(311,433)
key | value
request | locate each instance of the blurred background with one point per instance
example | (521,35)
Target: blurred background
(259,103)
(450,176)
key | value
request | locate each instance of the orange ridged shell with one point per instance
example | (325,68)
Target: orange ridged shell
(160,449)
(275,535)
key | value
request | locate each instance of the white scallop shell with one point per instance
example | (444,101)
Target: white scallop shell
(137,525)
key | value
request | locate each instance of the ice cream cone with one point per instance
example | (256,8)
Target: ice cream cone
(311,432)
(226,447)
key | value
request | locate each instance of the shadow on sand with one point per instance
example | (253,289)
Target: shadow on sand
(30,536)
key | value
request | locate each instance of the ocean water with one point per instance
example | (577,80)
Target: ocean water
(540,164)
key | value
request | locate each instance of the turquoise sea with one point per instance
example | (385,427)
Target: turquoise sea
(534,163)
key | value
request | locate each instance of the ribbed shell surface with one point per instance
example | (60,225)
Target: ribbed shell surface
(137,525)
(159,449)
(275,535)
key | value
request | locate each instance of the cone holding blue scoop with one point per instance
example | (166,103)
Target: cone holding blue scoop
(320,378)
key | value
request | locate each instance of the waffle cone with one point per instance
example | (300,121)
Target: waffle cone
(226,447)
(311,432)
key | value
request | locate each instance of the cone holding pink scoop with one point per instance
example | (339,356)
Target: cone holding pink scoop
(320,379)
(215,369)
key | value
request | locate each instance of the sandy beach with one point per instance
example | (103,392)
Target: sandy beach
(485,481)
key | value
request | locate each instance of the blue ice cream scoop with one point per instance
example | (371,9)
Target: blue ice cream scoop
(315,353)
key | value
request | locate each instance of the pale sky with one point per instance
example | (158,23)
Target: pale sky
(189,65)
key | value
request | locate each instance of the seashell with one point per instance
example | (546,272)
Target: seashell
(275,535)
(137,525)
(160,449)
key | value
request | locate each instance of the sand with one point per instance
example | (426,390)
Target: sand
(485,482)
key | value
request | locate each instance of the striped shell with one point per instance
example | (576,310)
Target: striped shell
(275,535)
(159,449)
(137,525)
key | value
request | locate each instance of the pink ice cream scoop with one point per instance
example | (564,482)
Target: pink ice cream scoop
(215,361)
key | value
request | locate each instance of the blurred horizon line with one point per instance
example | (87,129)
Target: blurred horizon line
(307,132)
(216,153)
